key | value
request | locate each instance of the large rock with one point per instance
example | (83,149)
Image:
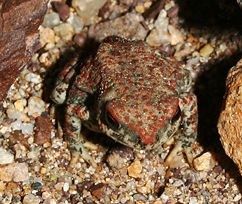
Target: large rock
(230,121)
(19,22)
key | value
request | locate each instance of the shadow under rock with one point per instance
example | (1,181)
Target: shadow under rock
(210,88)
(222,14)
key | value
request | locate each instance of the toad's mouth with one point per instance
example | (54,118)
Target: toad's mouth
(131,136)
(120,132)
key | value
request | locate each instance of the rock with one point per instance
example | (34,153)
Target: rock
(80,39)
(65,31)
(20,104)
(88,9)
(35,106)
(85,185)
(21,172)
(163,33)
(51,20)
(43,130)
(62,9)
(47,36)
(135,169)
(159,34)
(16,172)
(6,157)
(19,22)
(204,162)
(128,26)
(206,50)
(98,190)
(76,23)
(230,120)
(120,157)
(31,199)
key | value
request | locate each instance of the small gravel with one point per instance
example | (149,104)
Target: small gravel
(51,20)
(6,157)
(36,164)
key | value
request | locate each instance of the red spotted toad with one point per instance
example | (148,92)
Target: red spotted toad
(133,94)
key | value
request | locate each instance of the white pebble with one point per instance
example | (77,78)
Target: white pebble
(87,9)
(47,35)
(66,187)
(76,22)
(31,199)
(35,106)
(193,200)
(65,31)
(237,198)
(51,20)
(27,128)
(21,172)
(6,157)
(34,78)
(13,113)
(20,104)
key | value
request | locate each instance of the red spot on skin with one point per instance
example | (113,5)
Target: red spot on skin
(147,135)
(86,75)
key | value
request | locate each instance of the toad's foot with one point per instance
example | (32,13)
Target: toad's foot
(170,159)
(79,148)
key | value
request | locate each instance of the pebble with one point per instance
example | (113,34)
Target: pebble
(98,190)
(32,77)
(31,199)
(135,169)
(87,9)
(140,8)
(14,114)
(35,106)
(237,198)
(62,9)
(128,26)
(206,50)
(204,162)
(120,157)
(175,35)
(159,34)
(76,22)
(16,172)
(21,172)
(43,130)
(139,197)
(193,200)
(66,187)
(20,104)
(51,20)
(158,202)
(65,31)
(6,157)
(27,128)
(85,185)
(47,36)
(80,39)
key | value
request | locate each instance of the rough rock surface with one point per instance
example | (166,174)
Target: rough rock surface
(230,121)
(19,22)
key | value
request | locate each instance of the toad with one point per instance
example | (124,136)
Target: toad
(133,94)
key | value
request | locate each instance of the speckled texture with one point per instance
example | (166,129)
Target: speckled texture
(230,120)
(56,176)
(131,93)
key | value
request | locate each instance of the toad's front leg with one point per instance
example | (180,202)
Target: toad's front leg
(189,118)
(75,113)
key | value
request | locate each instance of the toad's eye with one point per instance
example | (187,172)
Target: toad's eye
(176,116)
(111,121)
